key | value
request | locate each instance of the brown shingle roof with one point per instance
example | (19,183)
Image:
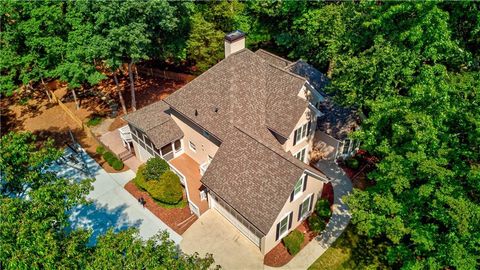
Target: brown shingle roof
(247,91)
(251,178)
(155,121)
(273,59)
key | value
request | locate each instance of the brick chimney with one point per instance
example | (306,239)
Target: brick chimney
(234,42)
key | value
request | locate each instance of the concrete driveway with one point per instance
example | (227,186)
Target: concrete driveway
(212,233)
(112,206)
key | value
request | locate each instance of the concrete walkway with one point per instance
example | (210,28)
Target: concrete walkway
(338,222)
(112,207)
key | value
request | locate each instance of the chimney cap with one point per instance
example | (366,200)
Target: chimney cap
(235,35)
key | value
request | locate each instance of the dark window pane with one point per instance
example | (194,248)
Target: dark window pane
(178,145)
(167,149)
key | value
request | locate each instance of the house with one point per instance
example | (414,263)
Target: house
(239,136)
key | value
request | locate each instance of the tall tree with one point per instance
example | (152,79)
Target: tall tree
(129,29)
(34,220)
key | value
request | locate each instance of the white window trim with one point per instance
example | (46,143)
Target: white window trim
(308,206)
(306,131)
(190,143)
(280,236)
(305,148)
(300,193)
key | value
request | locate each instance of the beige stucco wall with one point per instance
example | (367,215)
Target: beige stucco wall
(308,142)
(194,134)
(314,186)
(233,47)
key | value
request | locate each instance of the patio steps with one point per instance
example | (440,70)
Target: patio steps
(125,155)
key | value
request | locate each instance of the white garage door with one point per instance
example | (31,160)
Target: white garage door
(244,230)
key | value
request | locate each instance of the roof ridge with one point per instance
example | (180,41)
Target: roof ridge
(274,55)
(289,72)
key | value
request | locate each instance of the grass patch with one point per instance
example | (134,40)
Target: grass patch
(181,204)
(94,121)
(339,255)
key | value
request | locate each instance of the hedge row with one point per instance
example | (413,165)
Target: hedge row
(110,158)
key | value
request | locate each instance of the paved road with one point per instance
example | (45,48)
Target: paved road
(338,222)
(112,205)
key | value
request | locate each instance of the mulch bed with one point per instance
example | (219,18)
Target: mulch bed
(279,255)
(172,217)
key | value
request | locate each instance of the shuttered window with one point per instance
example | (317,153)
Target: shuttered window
(283,226)
(301,133)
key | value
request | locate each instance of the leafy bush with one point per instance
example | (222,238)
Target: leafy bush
(100,150)
(117,164)
(352,163)
(109,157)
(167,189)
(322,208)
(293,242)
(316,224)
(94,121)
(155,168)
(139,179)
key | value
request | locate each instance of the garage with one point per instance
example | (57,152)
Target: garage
(231,215)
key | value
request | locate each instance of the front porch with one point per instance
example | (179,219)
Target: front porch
(191,170)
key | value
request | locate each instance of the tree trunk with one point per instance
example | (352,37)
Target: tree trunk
(331,66)
(75,98)
(46,91)
(132,86)
(120,96)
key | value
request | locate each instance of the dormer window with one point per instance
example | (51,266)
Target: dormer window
(301,133)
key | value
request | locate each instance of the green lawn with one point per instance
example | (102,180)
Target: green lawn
(338,256)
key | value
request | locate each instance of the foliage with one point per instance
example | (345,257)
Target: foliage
(34,220)
(94,121)
(139,179)
(100,150)
(316,224)
(322,209)
(352,163)
(167,189)
(155,168)
(108,156)
(112,160)
(293,241)
(117,164)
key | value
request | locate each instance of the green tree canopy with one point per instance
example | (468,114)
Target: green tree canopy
(35,232)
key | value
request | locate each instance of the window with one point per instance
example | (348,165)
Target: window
(192,146)
(178,145)
(301,133)
(283,226)
(298,187)
(305,207)
(205,133)
(166,149)
(301,155)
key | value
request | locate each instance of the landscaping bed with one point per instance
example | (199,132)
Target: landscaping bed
(279,255)
(358,167)
(173,217)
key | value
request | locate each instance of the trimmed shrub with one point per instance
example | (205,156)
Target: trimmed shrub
(109,157)
(117,164)
(293,242)
(322,208)
(316,224)
(139,179)
(352,163)
(167,189)
(155,168)
(100,150)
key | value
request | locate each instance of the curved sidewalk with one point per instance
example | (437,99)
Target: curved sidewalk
(338,222)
